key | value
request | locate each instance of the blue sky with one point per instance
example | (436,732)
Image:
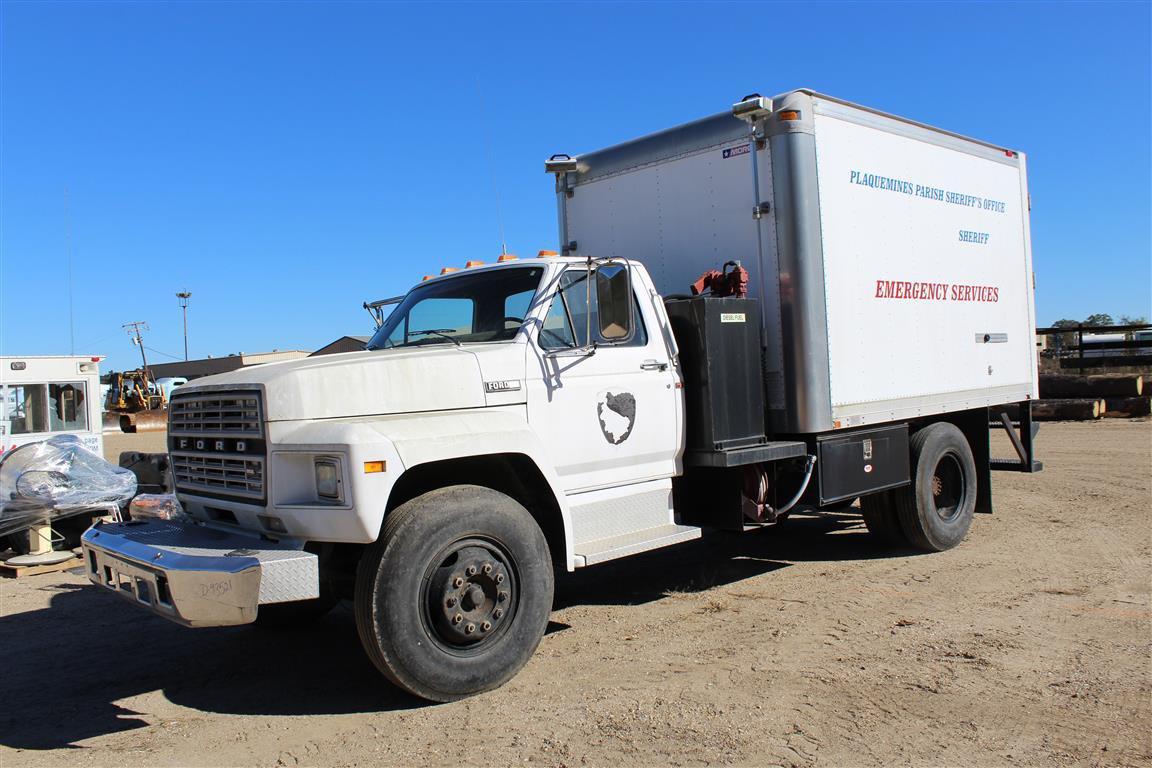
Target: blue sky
(285,162)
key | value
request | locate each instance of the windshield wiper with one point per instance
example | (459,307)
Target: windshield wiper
(441,332)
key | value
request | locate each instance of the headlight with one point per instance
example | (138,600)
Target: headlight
(328,479)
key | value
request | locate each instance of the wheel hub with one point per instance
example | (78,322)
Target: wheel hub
(470,593)
(947,487)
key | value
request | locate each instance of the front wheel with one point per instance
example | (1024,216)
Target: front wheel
(454,597)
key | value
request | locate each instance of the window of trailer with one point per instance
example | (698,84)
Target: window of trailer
(50,407)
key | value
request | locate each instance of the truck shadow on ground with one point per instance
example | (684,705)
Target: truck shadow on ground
(720,558)
(70,668)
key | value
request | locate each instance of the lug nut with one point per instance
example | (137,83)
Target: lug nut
(487,567)
(457,582)
(457,618)
(451,602)
(502,596)
(499,578)
(497,613)
(486,626)
(469,629)
(470,570)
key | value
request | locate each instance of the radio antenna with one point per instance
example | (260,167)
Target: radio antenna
(491,168)
(68,250)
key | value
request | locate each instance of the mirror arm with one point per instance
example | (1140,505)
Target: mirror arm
(585,351)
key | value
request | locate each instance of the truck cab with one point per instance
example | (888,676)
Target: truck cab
(548,386)
(495,361)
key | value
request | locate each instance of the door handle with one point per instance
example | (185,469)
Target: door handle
(653,365)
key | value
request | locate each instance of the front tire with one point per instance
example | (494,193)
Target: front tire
(454,597)
(935,510)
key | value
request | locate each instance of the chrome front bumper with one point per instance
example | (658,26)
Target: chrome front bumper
(197,576)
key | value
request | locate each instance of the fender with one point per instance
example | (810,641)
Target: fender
(428,437)
(408,440)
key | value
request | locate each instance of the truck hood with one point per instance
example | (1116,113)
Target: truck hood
(387,381)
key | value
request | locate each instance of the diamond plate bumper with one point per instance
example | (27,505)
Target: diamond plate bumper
(197,576)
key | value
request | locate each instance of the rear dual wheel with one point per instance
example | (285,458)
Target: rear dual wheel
(454,597)
(933,512)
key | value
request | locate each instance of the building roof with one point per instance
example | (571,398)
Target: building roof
(194,369)
(343,344)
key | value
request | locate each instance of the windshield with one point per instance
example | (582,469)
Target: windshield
(485,306)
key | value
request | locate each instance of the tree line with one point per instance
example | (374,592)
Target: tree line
(1101,319)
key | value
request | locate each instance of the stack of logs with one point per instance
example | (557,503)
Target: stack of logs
(1080,398)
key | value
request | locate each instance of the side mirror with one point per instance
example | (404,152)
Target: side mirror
(614,302)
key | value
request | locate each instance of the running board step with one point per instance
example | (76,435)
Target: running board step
(602,550)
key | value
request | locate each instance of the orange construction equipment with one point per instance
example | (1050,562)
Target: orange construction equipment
(135,403)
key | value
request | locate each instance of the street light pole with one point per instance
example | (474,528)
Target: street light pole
(184,296)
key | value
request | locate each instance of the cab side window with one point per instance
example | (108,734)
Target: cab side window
(566,324)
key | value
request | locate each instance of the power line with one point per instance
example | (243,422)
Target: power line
(165,354)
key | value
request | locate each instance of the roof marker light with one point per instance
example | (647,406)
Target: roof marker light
(546,254)
(448,270)
(427,277)
(506,257)
(473,263)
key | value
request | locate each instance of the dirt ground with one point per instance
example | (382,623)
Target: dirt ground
(1030,644)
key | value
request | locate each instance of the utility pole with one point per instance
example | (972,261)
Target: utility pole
(134,330)
(184,296)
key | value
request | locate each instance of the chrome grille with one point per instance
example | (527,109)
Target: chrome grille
(221,474)
(228,413)
(216,444)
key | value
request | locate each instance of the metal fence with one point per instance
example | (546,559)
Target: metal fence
(1082,347)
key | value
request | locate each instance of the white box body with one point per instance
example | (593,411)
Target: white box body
(893,259)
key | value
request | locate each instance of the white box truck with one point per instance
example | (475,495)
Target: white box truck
(45,396)
(510,419)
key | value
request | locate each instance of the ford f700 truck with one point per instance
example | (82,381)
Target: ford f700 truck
(870,313)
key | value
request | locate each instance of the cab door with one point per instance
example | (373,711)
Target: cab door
(611,414)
